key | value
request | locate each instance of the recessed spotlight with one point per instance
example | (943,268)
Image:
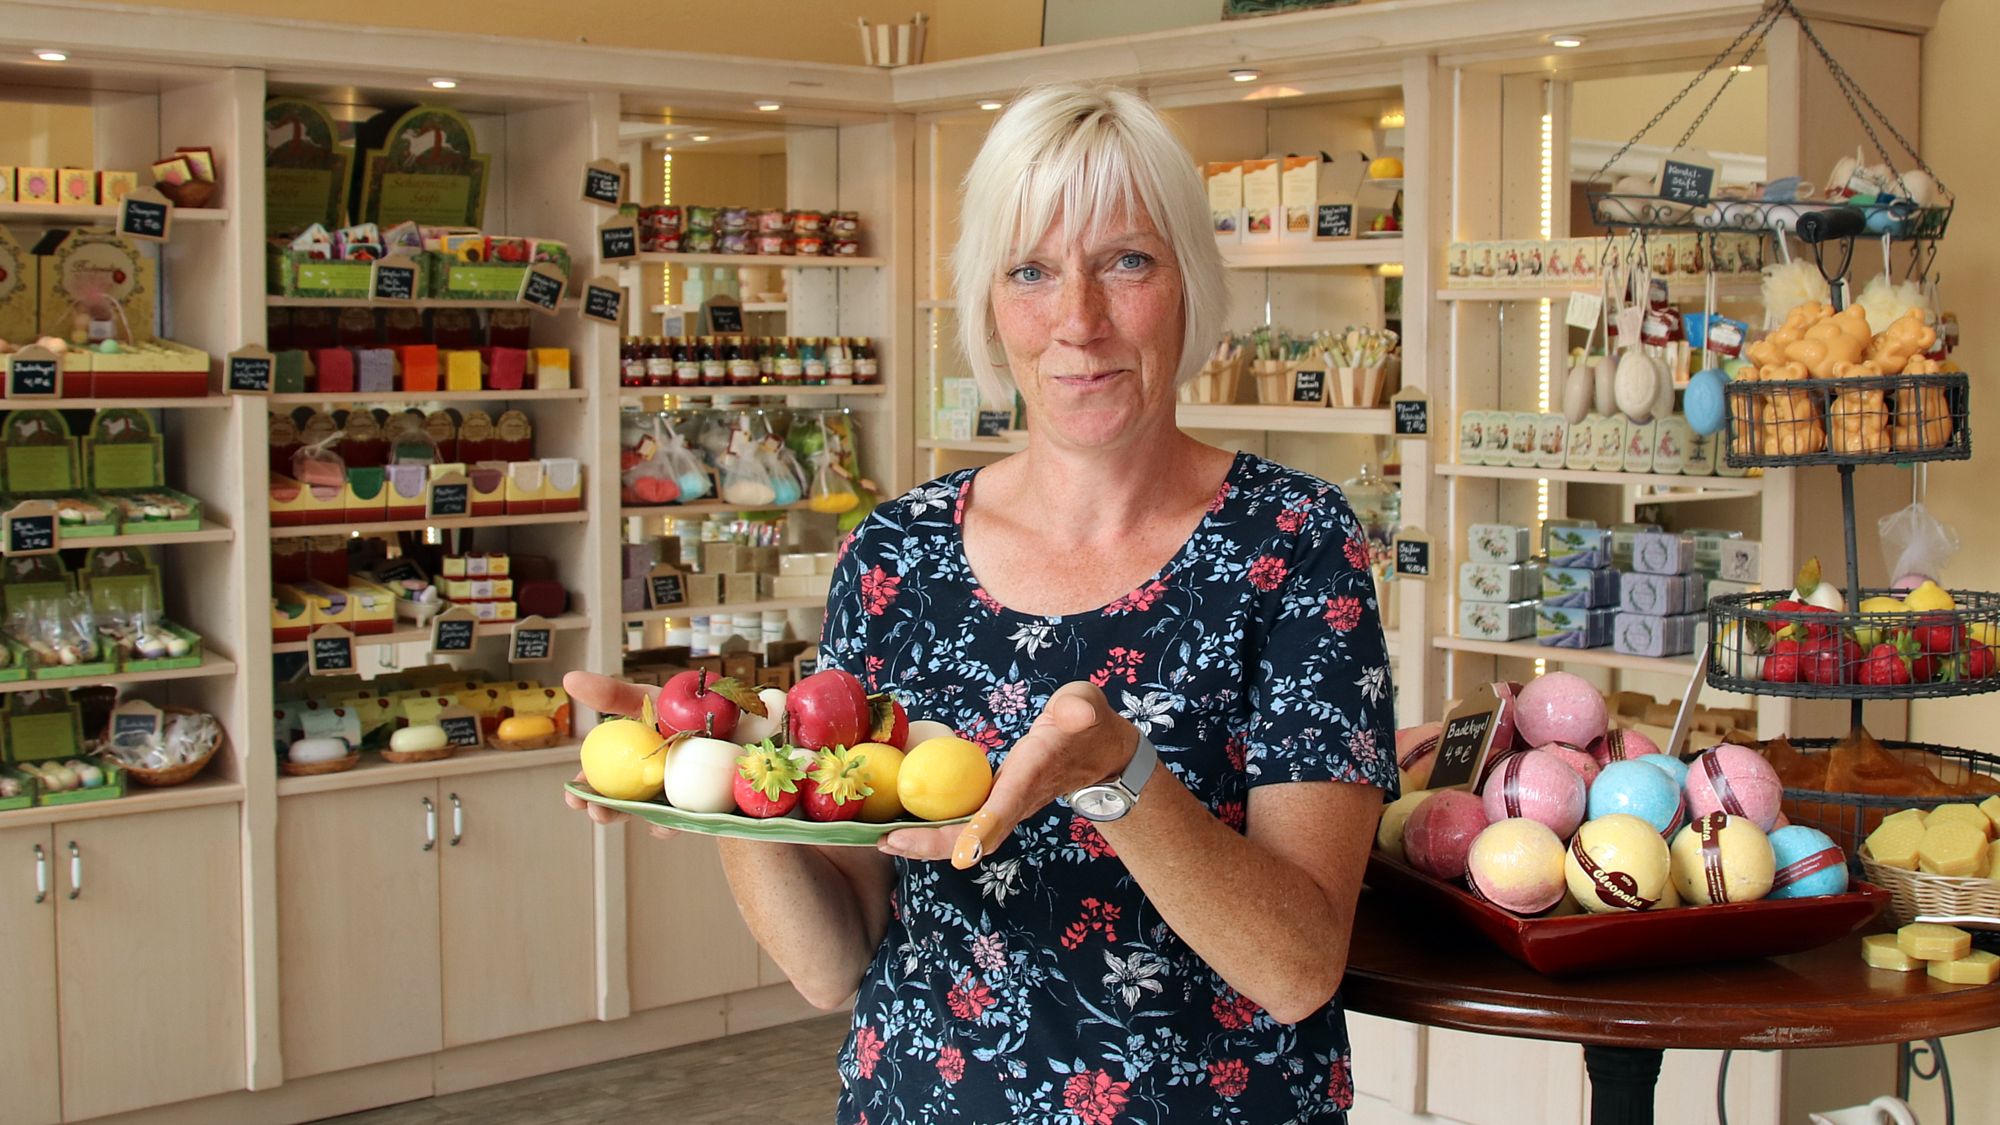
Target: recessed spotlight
(770,107)
(52,56)
(444,83)
(990,104)
(1565,41)
(1743,68)
(1245,74)
(698,137)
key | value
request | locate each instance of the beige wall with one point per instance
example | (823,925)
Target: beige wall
(36,135)
(1608,109)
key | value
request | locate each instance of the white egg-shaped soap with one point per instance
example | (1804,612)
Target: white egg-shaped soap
(308,750)
(1635,387)
(413,739)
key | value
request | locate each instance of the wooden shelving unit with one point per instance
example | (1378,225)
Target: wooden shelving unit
(447,523)
(772,605)
(374,771)
(484,632)
(402,398)
(58,214)
(627,396)
(210,667)
(775,261)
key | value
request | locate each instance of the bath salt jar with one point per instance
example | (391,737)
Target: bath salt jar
(844,224)
(809,246)
(773,222)
(774,243)
(734,219)
(839,362)
(809,222)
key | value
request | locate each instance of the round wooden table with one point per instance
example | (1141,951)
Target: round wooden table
(1403,965)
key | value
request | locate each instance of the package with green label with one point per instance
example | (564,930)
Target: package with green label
(44,739)
(49,620)
(38,454)
(123,463)
(124,589)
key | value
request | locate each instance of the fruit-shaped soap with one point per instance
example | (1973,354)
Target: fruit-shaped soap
(624,760)
(1953,848)
(1636,789)
(1560,707)
(1617,863)
(767,781)
(1618,745)
(1517,864)
(880,765)
(1395,817)
(1538,785)
(1440,832)
(1736,780)
(923,730)
(701,774)
(833,789)
(1895,841)
(942,778)
(1808,862)
(524,728)
(1722,858)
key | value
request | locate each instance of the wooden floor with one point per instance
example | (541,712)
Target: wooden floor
(700,1084)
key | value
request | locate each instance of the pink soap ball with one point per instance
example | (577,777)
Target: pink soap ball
(1517,864)
(1735,780)
(1586,767)
(1560,707)
(1439,835)
(1416,754)
(1619,745)
(1506,739)
(1537,785)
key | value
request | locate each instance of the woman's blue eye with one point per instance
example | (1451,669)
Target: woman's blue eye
(1026,273)
(1133,260)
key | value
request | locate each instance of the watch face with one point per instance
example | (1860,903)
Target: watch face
(1101,802)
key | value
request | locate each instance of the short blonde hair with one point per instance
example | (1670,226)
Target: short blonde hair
(1083,152)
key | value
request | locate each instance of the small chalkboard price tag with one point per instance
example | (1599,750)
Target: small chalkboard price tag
(1685,181)
(145,214)
(993,423)
(448,497)
(454,630)
(542,288)
(666,588)
(603,183)
(1412,412)
(1467,740)
(30,528)
(1309,385)
(134,718)
(533,640)
(461,728)
(250,371)
(1413,554)
(34,372)
(393,278)
(618,240)
(330,651)
(722,316)
(604,301)
(400,570)
(1334,220)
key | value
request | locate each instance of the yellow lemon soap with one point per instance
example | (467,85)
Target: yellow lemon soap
(1896,842)
(1974,968)
(1882,952)
(1928,941)
(1953,848)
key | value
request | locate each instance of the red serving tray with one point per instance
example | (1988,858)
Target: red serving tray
(1594,943)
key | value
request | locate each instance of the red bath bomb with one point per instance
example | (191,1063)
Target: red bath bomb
(1735,780)
(1439,835)
(1560,707)
(1537,785)
(1618,745)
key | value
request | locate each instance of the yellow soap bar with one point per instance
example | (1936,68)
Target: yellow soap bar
(1882,952)
(1995,874)
(1991,808)
(551,368)
(1901,815)
(1953,848)
(1968,815)
(1896,842)
(461,371)
(1974,968)
(1928,941)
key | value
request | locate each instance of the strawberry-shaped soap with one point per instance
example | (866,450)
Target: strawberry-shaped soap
(767,781)
(833,789)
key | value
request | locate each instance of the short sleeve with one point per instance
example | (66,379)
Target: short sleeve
(1323,708)
(843,638)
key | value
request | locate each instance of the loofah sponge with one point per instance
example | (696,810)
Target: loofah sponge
(1789,284)
(1887,302)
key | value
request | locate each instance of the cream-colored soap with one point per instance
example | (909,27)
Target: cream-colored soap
(1389,833)
(1953,847)
(1973,968)
(1968,815)
(416,739)
(1897,841)
(1991,808)
(1882,952)
(1928,941)
(1900,815)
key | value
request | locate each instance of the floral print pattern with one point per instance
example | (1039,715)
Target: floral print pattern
(1042,985)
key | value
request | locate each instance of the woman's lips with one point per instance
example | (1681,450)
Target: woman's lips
(1085,382)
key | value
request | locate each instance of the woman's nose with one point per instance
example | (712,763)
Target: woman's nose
(1080,318)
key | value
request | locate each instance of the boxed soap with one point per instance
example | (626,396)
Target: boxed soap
(1498,543)
(1738,560)
(1663,552)
(1656,595)
(1572,545)
(1638,634)
(1563,626)
(1621,542)
(1580,444)
(1579,586)
(1496,621)
(1640,443)
(1521,444)
(1496,582)
(1708,548)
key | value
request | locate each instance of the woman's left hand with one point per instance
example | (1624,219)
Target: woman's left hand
(1077,740)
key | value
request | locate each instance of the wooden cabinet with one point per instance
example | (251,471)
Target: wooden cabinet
(28,895)
(358,954)
(685,937)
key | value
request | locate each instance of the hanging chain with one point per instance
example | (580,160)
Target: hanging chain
(1759,28)
(1852,90)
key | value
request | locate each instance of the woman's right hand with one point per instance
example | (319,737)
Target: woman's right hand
(606,696)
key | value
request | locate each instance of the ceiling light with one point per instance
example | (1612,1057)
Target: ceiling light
(444,83)
(1743,68)
(770,107)
(52,56)
(698,137)
(1565,40)
(989,105)
(1392,119)
(1245,74)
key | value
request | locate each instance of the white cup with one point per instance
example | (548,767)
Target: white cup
(1884,1110)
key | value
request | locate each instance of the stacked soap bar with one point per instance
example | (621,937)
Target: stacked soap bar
(420,367)
(1497,584)
(1660,597)
(1579,586)
(1944,952)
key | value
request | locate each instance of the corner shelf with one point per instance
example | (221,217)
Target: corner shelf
(211,665)
(373,771)
(485,631)
(1682,666)
(454,523)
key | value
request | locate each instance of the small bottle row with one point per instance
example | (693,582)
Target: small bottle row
(738,361)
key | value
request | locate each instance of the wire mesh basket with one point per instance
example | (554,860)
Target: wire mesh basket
(1929,776)
(1868,420)
(1815,654)
(1899,219)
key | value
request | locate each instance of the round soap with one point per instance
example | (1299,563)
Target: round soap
(784,490)
(1637,789)
(1538,785)
(1560,707)
(1702,401)
(318,750)
(1396,814)
(1618,745)
(1735,780)
(1586,767)
(523,727)
(1416,754)
(693,485)
(1617,863)
(1517,864)
(1673,767)
(1808,863)
(423,736)
(1722,858)
(1440,832)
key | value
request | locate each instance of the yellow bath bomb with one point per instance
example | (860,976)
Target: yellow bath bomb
(1973,968)
(1895,843)
(1953,848)
(1882,952)
(1928,941)
(1389,831)
(1965,814)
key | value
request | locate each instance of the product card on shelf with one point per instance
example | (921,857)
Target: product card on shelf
(1413,553)
(454,630)
(542,288)
(666,587)
(136,717)
(1467,740)
(603,183)
(532,641)
(461,728)
(618,240)
(1413,412)
(449,496)
(251,371)
(330,651)
(145,214)
(30,528)
(34,372)
(603,300)
(394,278)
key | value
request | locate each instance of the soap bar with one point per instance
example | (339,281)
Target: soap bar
(336,370)
(1973,968)
(508,369)
(461,371)
(1882,952)
(1928,941)
(420,366)
(1952,848)
(375,370)
(551,368)
(1896,842)
(425,736)
(318,750)
(1991,807)
(1965,814)
(522,728)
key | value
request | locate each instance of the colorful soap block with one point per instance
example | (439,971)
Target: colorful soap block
(420,366)
(336,371)
(489,488)
(294,373)
(374,370)
(6,183)
(461,370)
(1895,842)
(1979,967)
(507,369)
(1960,813)
(35,185)
(114,186)
(366,498)
(550,368)
(1951,847)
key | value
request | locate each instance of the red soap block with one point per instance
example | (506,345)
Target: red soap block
(336,370)
(420,366)
(506,368)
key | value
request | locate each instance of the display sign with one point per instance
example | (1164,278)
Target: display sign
(542,288)
(393,278)
(461,728)
(533,640)
(251,371)
(1412,412)
(1467,740)
(1685,182)
(603,183)
(992,423)
(448,497)
(604,300)
(1413,554)
(400,570)
(145,214)
(30,528)
(618,240)
(1334,220)
(1308,385)
(666,588)
(34,372)
(1583,310)
(454,630)
(136,718)
(330,651)
(723,316)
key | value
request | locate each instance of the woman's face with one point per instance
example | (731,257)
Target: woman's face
(1092,329)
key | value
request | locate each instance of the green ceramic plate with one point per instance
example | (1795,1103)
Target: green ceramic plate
(783,830)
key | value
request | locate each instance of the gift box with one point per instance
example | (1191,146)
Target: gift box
(374,608)
(1497,582)
(1663,552)
(1559,626)
(1497,543)
(1575,546)
(1655,595)
(1579,586)
(326,605)
(291,618)
(1643,635)
(1496,621)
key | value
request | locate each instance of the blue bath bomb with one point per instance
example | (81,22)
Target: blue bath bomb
(784,491)
(1809,863)
(693,485)
(1632,786)
(1674,767)
(1703,400)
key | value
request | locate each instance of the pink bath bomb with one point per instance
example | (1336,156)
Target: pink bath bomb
(1506,739)
(1439,834)
(1416,754)
(1517,865)
(1537,785)
(1586,767)
(1735,780)
(1618,745)
(1560,707)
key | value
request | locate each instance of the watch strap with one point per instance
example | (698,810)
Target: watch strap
(1144,757)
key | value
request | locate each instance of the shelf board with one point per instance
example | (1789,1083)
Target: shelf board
(190,402)
(740,607)
(634,397)
(310,398)
(384,527)
(748,306)
(1287,419)
(372,770)
(1746,288)
(211,665)
(211,532)
(211,788)
(781,261)
(1736,486)
(276,301)
(56,214)
(703,508)
(1682,666)
(1302,254)
(422,636)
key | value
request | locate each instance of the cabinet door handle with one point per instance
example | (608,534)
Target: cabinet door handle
(75,870)
(41,875)
(457,820)
(430,825)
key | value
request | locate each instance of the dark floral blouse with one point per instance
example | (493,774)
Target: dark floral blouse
(1042,985)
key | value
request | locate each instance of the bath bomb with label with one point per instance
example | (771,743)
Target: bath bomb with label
(1637,789)
(1439,834)
(1586,767)
(1560,707)
(1389,830)
(1416,754)
(1736,780)
(1538,785)
(1672,766)
(1517,864)
(1722,858)
(1617,863)
(1618,745)
(1808,862)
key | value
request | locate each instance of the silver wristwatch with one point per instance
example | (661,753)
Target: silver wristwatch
(1109,800)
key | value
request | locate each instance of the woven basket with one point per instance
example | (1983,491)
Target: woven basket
(175,775)
(1919,892)
(313,769)
(404,757)
(1217,382)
